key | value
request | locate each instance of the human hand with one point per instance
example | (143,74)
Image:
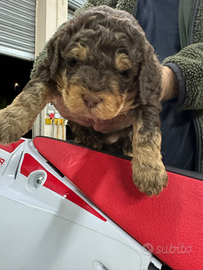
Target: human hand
(105,126)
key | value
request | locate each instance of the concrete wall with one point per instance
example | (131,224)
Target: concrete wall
(50,14)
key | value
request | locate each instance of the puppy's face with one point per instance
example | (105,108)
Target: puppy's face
(101,65)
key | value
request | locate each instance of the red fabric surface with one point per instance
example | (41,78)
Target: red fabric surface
(171,222)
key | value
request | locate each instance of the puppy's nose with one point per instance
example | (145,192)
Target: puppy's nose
(91,101)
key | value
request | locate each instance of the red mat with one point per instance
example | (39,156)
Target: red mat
(170,224)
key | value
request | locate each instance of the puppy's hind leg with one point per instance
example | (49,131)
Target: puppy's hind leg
(18,118)
(149,173)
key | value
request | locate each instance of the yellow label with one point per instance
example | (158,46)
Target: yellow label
(57,121)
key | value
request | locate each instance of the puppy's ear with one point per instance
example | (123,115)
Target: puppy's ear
(53,53)
(150,77)
(56,45)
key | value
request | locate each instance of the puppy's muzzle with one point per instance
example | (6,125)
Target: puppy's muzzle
(91,101)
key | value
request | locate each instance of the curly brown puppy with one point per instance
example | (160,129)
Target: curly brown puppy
(103,66)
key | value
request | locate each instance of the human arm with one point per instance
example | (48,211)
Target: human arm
(188,67)
(170,85)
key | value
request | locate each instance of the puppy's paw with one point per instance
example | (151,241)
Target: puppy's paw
(11,129)
(150,180)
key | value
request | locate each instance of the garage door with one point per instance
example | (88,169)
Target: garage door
(17,28)
(73,5)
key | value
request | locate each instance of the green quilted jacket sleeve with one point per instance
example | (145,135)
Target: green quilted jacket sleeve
(190,62)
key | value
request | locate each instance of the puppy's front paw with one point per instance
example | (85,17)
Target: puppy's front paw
(10,127)
(148,179)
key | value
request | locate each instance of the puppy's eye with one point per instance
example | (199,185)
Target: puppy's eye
(124,73)
(73,61)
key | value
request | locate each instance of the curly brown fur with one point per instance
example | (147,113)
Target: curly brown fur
(103,66)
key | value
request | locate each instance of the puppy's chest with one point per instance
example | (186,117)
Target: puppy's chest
(119,142)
